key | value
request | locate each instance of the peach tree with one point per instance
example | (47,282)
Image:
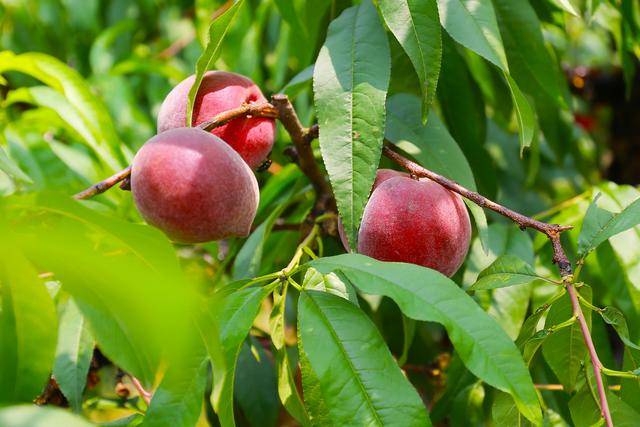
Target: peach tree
(388,212)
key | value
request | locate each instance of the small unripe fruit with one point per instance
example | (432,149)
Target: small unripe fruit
(251,137)
(194,187)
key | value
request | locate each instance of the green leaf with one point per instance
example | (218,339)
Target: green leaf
(256,385)
(599,225)
(586,412)
(235,318)
(615,318)
(73,354)
(564,350)
(432,146)
(91,111)
(39,416)
(522,35)
(298,82)
(465,115)
(473,24)
(287,390)
(331,283)
(416,26)
(507,270)
(353,377)
(408,332)
(217,31)
(28,325)
(124,277)
(9,167)
(567,6)
(524,114)
(350,82)
(427,295)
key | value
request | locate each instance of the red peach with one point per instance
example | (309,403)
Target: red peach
(193,186)
(418,222)
(251,137)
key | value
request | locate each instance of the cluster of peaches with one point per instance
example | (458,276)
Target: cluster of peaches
(199,186)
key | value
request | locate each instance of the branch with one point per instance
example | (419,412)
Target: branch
(552,231)
(301,138)
(256,110)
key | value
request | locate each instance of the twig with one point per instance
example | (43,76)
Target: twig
(256,110)
(144,394)
(559,387)
(301,138)
(552,231)
(103,186)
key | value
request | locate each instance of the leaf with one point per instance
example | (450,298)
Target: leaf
(287,390)
(408,332)
(256,385)
(10,168)
(73,354)
(465,116)
(524,44)
(507,270)
(350,82)
(124,277)
(235,318)
(615,318)
(352,375)
(586,412)
(432,146)
(298,82)
(28,325)
(331,283)
(39,416)
(416,26)
(564,350)
(217,31)
(473,24)
(91,111)
(599,225)
(567,6)
(424,294)
(524,114)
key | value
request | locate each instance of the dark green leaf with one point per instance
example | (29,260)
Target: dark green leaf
(586,412)
(349,369)
(217,31)
(256,385)
(73,354)
(416,25)
(425,294)
(298,82)
(350,82)
(235,319)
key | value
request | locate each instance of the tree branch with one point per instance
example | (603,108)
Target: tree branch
(301,138)
(552,231)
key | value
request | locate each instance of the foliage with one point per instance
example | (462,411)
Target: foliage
(284,327)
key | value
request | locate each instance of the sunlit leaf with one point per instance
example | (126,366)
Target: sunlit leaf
(350,82)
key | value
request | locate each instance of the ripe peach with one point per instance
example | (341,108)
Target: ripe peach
(193,186)
(414,221)
(251,137)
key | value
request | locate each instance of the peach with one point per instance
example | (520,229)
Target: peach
(193,186)
(414,221)
(251,137)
